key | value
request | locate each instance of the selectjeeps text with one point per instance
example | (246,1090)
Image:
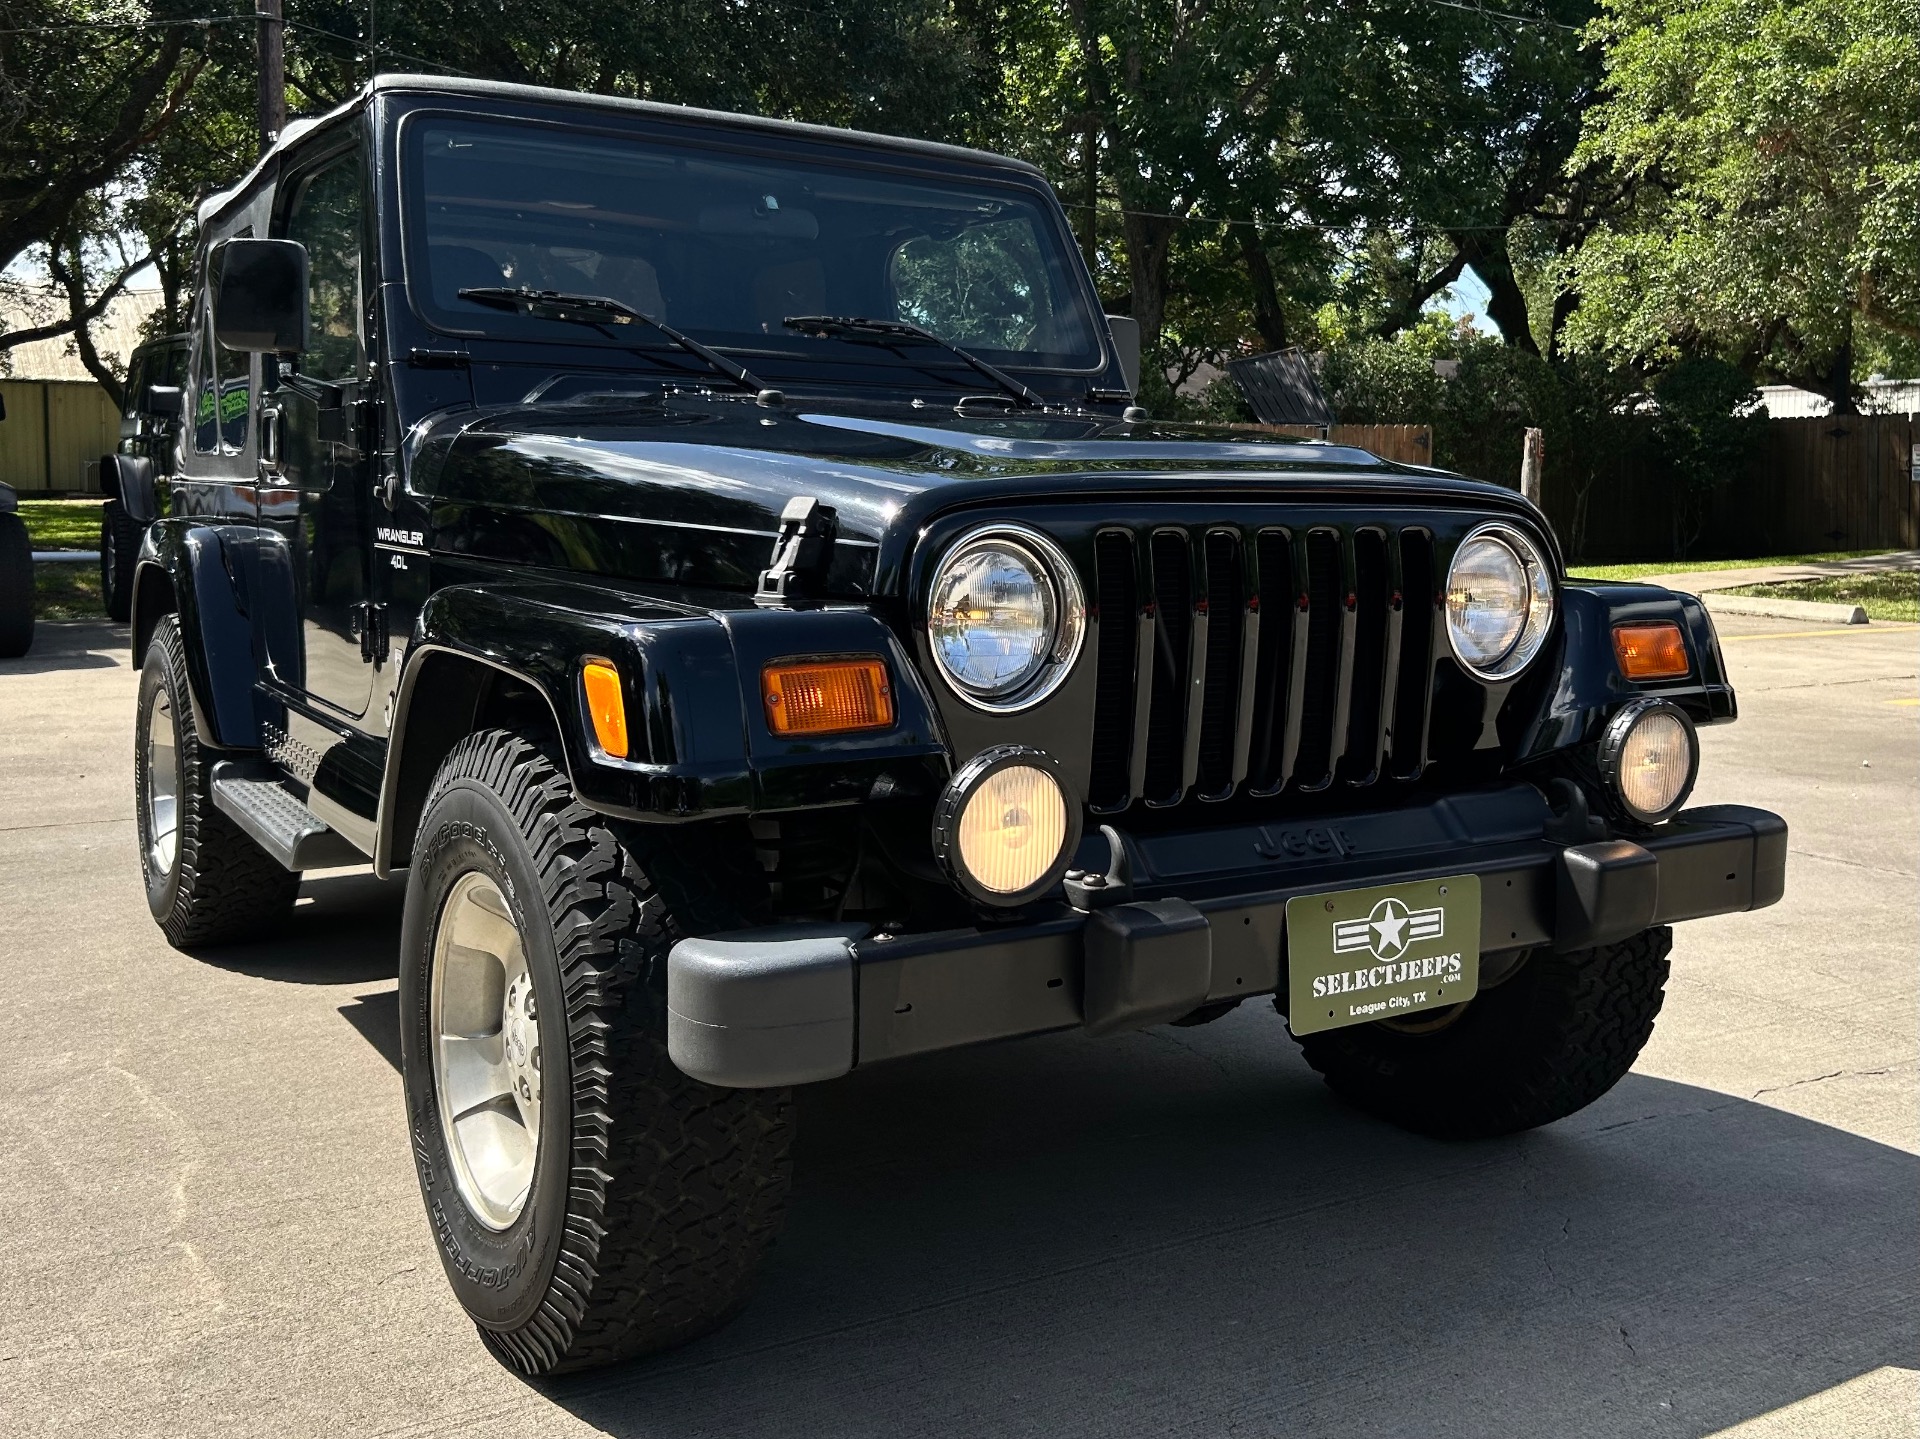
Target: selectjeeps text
(717,566)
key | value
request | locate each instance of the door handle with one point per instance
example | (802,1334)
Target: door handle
(270,440)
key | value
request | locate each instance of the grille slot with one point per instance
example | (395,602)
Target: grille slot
(1419,600)
(1288,660)
(1115,595)
(1320,679)
(1273,661)
(1370,597)
(1220,688)
(1172,639)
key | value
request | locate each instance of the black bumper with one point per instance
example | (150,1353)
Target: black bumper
(1205,921)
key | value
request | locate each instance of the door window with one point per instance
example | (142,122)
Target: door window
(325,217)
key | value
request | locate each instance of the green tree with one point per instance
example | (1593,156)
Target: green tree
(1777,143)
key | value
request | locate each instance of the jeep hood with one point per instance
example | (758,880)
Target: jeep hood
(689,490)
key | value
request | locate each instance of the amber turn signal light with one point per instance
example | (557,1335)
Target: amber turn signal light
(826,696)
(1653,651)
(606,705)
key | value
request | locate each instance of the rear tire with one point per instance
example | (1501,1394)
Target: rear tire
(16,588)
(207,881)
(590,1202)
(120,536)
(1558,1034)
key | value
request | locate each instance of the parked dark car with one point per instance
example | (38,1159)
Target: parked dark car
(142,462)
(716,566)
(16,576)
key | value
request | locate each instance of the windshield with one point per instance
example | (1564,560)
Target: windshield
(725,246)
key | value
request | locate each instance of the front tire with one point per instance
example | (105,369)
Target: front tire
(1549,1040)
(590,1202)
(207,881)
(120,536)
(16,588)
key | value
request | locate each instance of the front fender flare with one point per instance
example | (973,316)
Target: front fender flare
(197,564)
(691,684)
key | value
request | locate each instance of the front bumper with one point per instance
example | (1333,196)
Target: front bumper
(1204,922)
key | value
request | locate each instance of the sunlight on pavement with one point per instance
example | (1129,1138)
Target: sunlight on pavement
(1881,1404)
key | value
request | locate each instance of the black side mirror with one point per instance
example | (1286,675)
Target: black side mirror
(1126,343)
(163,402)
(261,303)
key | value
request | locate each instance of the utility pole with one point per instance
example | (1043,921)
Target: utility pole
(1533,463)
(273,71)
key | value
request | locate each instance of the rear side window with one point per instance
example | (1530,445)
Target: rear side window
(325,217)
(223,381)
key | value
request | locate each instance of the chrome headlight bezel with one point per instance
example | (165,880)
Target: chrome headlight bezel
(1051,568)
(1543,602)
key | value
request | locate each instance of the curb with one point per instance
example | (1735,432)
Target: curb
(1817,611)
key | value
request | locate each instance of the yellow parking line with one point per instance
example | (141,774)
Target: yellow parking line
(1910,700)
(1881,629)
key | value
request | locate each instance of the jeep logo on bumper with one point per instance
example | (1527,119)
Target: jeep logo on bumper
(1300,841)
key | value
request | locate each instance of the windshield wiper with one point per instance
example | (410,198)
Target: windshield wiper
(858,328)
(572,309)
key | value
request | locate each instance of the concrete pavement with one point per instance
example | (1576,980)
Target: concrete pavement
(216,1231)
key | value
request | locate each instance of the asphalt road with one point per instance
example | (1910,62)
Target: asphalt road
(213,1227)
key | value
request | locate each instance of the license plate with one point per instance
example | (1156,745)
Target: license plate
(1360,955)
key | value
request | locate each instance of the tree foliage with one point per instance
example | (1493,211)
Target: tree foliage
(1777,146)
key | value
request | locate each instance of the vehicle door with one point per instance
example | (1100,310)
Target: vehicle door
(315,497)
(215,450)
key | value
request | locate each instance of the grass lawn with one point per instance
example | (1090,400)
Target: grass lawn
(1691,567)
(1891,596)
(62,524)
(65,592)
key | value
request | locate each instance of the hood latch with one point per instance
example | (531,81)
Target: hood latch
(800,555)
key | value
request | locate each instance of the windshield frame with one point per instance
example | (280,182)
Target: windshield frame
(790,350)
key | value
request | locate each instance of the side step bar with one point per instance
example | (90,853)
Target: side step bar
(276,819)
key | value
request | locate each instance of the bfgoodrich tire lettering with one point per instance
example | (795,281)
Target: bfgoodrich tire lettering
(209,883)
(1550,1040)
(653,1195)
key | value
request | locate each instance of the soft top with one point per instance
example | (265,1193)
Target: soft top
(457,88)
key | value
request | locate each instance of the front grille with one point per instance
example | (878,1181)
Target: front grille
(1254,661)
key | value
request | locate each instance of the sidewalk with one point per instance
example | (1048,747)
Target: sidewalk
(1699,581)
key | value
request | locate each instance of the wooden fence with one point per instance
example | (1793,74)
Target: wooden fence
(1407,444)
(1815,484)
(55,433)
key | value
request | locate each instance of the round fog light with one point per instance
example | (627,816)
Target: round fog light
(1004,828)
(1649,758)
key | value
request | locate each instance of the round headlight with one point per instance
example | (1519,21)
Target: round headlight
(1004,617)
(1004,828)
(1649,758)
(1499,601)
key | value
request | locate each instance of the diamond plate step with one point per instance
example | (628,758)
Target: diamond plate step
(276,819)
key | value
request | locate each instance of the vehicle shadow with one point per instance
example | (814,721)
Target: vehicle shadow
(344,929)
(1182,1231)
(71,645)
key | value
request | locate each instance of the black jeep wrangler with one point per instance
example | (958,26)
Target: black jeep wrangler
(717,564)
(144,459)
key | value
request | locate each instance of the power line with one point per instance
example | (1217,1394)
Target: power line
(1506,15)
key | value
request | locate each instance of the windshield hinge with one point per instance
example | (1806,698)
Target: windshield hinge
(800,555)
